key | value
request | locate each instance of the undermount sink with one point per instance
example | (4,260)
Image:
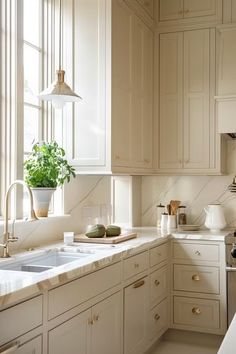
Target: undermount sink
(41,262)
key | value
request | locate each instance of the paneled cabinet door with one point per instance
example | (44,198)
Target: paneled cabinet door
(72,336)
(183,9)
(186,97)
(196,99)
(107,327)
(142,112)
(122,83)
(136,316)
(171,97)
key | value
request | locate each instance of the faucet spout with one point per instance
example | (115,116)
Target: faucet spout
(32,217)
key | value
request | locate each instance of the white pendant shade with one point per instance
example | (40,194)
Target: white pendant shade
(59,91)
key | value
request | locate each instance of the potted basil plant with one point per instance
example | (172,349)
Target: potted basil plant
(46,169)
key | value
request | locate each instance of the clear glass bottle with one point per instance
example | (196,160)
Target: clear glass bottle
(160,210)
(182,217)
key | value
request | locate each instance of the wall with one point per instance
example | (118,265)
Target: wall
(194,191)
(83,191)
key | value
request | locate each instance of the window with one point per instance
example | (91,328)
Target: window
(27,48)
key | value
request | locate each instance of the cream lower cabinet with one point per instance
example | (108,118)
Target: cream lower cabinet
(136,316)
(199,286)
(91,331)
(33,346)
(188,139)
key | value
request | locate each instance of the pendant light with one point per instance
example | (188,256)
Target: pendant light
(59,92)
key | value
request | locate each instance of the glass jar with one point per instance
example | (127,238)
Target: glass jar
(160,210)
(182,217)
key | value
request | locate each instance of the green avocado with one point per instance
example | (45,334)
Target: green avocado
(113,230)
(96,231)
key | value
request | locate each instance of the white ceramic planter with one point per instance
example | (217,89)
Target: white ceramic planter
(42,198)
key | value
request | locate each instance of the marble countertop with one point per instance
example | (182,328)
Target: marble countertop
(229,342)
(15,285)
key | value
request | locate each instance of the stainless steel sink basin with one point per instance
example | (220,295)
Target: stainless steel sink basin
(41,262)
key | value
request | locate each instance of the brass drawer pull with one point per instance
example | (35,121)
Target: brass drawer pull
(156,282)
(11,349)
(157,317)
(195,277)
(139,284)
(196,311)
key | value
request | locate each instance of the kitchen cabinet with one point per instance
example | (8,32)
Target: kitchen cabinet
(158,316)
(229,11)
(111,129)
(136,316)
(226,79)
(180,11)
(198,289)
(148,6)
(9,327)
(90,331)
(33,346)
(188,138)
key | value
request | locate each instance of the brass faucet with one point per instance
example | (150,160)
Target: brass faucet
(7,238)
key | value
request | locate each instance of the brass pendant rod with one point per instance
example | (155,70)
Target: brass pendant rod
(60,35)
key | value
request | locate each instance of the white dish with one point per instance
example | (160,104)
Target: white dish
(188,227)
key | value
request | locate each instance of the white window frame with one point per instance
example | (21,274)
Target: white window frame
(12,93)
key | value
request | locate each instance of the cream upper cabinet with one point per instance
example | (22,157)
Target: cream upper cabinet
(226,44)
(187,144)
(229,11)
(111,61)
(132,90)
(181,11)
(171,96)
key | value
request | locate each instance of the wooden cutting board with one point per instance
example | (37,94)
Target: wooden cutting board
(115,239)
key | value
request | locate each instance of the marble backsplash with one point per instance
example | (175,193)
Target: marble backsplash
(80,193)
(87,200)
(194,191)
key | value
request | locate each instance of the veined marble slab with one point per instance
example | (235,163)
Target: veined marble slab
(16,286)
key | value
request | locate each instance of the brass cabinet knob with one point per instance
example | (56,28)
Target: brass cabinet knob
(196,311)
(156,282)
(96,317)
(195,277)
(90,321)
(198,253)
(186,11)
(136,265)
(157,317)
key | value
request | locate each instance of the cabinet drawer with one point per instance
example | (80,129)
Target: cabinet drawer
(158,254)
(135,265)
(72,294)
(158,319)
(158,286)
(196,279)
(196,252)
(197,313)
(20,319)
